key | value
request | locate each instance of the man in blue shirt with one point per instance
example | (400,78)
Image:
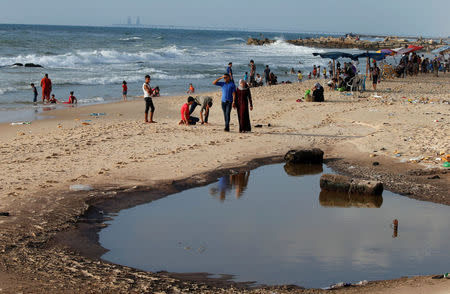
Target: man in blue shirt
(230,71)
(228,97)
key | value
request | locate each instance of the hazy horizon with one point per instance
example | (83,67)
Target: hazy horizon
(384,17)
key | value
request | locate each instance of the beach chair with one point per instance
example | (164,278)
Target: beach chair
(354,83)
(387,72)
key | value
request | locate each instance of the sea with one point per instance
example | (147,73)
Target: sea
(93,61)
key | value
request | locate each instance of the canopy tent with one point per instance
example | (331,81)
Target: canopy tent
(409,49)
(336,55)
(441,49)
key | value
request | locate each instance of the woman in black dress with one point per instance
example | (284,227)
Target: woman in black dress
(243,99)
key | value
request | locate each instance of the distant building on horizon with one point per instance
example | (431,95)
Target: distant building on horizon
(138,21)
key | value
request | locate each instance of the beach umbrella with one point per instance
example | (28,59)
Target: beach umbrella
(441,49)
(376,56)
(387,51)
(409,49)
(336,55)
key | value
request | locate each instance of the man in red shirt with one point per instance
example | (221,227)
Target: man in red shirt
(186,118)
(46,85)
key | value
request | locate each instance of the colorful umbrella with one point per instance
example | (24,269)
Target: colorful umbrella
(409,49)
(441,49)
(387,51)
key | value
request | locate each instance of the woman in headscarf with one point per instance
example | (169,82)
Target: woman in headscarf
(243,98)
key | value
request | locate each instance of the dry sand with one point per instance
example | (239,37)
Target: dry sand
(39,162)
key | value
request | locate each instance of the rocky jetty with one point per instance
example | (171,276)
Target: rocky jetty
(354,42)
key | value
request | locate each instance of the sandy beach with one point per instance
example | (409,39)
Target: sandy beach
(404,127)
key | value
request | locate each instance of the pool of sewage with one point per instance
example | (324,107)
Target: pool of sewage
(273,226)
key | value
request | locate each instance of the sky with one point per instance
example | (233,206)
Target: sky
(394,17)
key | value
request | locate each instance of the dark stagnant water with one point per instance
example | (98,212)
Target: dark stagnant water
(276,227)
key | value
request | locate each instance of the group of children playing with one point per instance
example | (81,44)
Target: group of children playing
(52,99)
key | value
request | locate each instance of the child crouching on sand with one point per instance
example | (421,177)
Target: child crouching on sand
(186,119)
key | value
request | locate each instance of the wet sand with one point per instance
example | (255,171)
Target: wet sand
(117,152)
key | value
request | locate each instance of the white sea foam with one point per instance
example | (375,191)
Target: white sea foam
(83,58)
(91,100)
(4,90)
(232,40)
(130,39)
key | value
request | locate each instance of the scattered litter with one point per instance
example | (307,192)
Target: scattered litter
(446,164)
(4,213)
(85,124)
(19,123)
(97,114)
(87,120)
(362,283)
(375,163)
(299,100)
(80,188)
(416,159)
(340,285)
(435,177)
(377,96)
(444,276)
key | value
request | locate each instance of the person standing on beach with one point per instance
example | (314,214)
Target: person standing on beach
(243,98)
(267,74)
(124,90)
(35,93)
(191,89)
(252,73)
(375,76)
(228,96)
(148,100)
(46,85)
(230,71)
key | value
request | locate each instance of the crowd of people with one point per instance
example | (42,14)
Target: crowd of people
(413,64)
(240,99)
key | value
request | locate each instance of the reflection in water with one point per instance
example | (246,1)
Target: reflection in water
(225,184)
(278,233)
(297,170)
(335,199)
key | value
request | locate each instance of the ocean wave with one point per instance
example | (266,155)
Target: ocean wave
(4,90)
(83,58)
(133,78)
(161,76)
(232,40)
(130,39)
(91,100)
